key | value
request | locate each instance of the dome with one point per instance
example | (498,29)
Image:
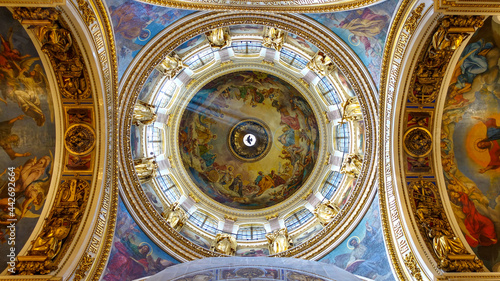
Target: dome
(254,129)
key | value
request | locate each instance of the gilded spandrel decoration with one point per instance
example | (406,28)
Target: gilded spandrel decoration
(446,39)
(171,66)
(58,229)
(273,38)
(352,165)
(79,139)
(417,142)
(279,241)
(145,169)
(449,251)
(325,212)
(175,216)
(351,110)
(225,244)
(219,38)
(412,22)
(57,42)
(321,64)
(143,114)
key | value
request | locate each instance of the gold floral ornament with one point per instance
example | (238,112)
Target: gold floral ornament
(225,244)
(279,241)
(171,66)
(79,139)
(143,114)
(321,64)
(412,22)
(325,212)
(273,38)
(145,168)
(175,216)
(417,142)
(219,38)
(352,165)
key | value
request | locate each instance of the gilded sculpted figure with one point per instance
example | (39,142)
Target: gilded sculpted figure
(279,241)
(273,38)
(219,38)
(145,169)
(175,216)
(225,244)
(352,110)
(171,66)
(446,246)
(143,114)
(352,165)
(49,241)
(325,212)
(321,64)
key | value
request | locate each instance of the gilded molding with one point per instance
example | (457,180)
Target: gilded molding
(286,6)
(467,7)
(412,22)
(412,265)
(86,12)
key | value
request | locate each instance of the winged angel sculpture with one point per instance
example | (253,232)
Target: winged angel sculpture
(21,80)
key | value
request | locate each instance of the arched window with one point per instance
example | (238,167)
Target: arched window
(168,187)
(328,91)
(331,184)
(297,219)
(246,47)
(204,221)
(251,232)
(293,59)
(200,59)
(165,94)
(342,137)
(155,141)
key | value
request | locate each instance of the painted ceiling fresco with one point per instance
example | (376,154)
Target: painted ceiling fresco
(364,30)
(133,255)
(135,23)
(27,134)
(470,143)
(363,253)
(212,123)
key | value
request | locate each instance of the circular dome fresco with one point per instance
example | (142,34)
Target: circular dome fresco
(248,140)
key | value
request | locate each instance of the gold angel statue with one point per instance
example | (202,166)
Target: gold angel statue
(225,244)
(279,241)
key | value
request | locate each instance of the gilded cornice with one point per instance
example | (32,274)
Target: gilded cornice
(467,7)
(199,23)
(285,6)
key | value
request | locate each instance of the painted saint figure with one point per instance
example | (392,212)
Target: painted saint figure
(491,142)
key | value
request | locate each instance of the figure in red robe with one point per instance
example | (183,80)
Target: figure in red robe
(481,229)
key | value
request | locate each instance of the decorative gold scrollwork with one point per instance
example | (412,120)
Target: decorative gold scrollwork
(63,219)
(448,36)
(433,224)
